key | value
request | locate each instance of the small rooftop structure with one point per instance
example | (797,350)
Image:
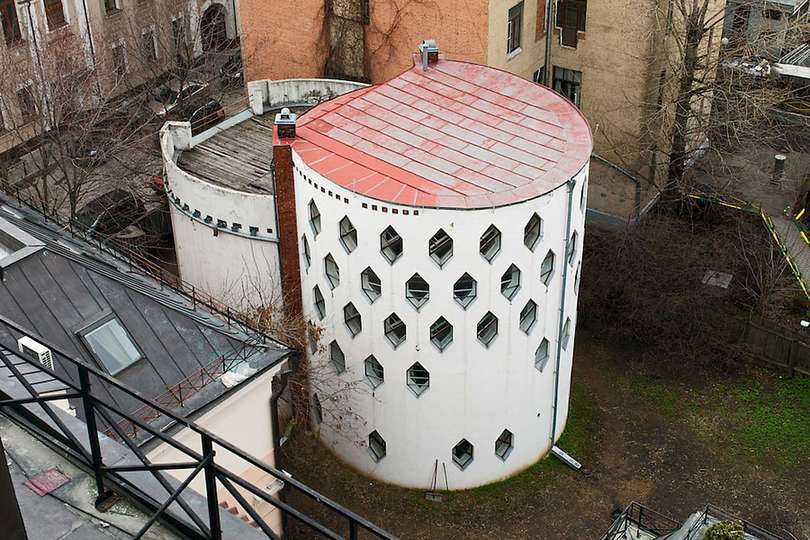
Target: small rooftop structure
(455,135)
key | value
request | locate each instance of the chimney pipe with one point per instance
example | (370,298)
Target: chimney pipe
(285,124)
(430,53)
(778,169)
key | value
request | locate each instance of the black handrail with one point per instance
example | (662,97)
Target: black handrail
(94,459)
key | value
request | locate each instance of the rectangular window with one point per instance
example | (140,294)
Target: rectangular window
(27,104)
(110,5)
(571,16)
(149,46)
(119,58)
(10,22)
(513,28)
(55,14)
(179,37)
(568,82)
(112,346)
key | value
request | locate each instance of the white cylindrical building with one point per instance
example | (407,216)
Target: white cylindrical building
(440,221)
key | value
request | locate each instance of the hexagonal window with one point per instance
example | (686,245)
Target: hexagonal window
(394,330)
(547,268)
(576,278)
(441,333)
(337,357)
(352,319)
(370,284)
(490,244)
(503,444)
(510,282)
(572,248)
(440,247)
(528,316)
(533,231)
(465,290)
(348,235)
(541,355)
(331,270)
(376,446)
(318,409)
(375,373)
(417,291)
(318,302)
(305,251)
(314,218)
(418,379)
(566,334)
(463,454)
(391,245)
(487,328)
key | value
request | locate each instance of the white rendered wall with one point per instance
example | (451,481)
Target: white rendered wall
(248,407)
(475,392)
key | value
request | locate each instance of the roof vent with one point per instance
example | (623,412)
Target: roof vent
(430,52)
(285,123)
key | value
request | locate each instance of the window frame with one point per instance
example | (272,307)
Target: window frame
(492,235)
(28,112)
(572,248)
(314,218)
(448,339)
(120,70)
(348,235)
(12,29)
(547,274)
(435,244)
(368,291)
(377,377)
(376,455)
(535,218)
(339,365)
(492,319)
(61,22)
(96,325)
(319,302)
(331,271)
(151,56)
(501,453)
(531,305)
(510,282)
(460,461)
(541,361)
(390,243)
(306,252)
(473,291)
(389,328)
(417,389)
(349,318)
(514,28)
(565,338)
(568,83)
(417,301)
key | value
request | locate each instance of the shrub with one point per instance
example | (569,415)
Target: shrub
(725,530)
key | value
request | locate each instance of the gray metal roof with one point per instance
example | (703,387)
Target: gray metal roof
(66,285)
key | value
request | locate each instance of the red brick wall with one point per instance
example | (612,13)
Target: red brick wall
(287,229)
(278,49)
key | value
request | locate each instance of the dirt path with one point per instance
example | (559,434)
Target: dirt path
(655,449)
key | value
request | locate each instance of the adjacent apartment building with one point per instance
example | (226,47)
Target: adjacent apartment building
(606,59)
(48,45)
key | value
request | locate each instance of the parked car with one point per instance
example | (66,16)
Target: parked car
(110,213)
(231,72)
(173,93)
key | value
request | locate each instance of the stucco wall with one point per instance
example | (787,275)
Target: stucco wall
(243,419)
(475,391)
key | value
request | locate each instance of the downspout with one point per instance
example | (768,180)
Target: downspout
(571,184)
(278,385)
(550,5)
(90,37)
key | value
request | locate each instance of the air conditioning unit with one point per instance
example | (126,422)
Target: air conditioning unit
(35,351)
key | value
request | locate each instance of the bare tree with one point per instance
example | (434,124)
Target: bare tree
(710,95)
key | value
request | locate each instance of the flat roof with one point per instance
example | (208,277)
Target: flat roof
(458,135)
(239,157)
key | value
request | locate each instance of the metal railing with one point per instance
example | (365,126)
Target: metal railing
(80,383)
(639,517)
(716,514)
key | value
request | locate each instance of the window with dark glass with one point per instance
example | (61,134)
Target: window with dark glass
(568,82)
(513,28)
(55,14)
(27,103)
(571,16)
(10,22)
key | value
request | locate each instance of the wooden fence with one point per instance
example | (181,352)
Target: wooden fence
(774,347)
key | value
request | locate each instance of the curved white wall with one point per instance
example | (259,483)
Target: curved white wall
(475,392)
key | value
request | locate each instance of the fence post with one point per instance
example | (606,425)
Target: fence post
(92,435)
(791,359)
(211,488)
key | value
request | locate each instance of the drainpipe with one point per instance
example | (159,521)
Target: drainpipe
(550,5)
(278,385)
(90,40)
(571,184)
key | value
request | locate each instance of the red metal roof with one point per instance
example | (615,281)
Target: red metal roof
(458,135)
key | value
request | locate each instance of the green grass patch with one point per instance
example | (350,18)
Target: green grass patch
(669,400)
(577,440)
(771,422)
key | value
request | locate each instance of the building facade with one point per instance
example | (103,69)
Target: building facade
(606,58)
